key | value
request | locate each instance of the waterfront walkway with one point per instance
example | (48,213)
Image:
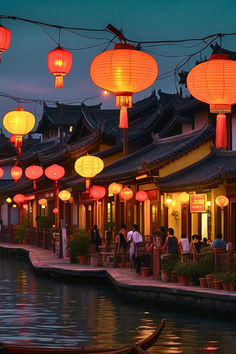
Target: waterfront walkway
(129,284)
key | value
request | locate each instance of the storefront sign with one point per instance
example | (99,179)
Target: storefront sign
(152,194)
(198,203)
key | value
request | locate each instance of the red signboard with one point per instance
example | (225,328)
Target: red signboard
(198,203)
(152,194)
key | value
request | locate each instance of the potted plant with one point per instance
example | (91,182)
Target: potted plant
(232,282)
(226,280)
(79,247)
(218,282)
(20,233)
(167,266)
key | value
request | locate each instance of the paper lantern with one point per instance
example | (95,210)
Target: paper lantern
(5,39)
(64,195)
(1,172)
(55,172)
(123,71)
(43,201)
(17,141)
(88,166)
(222,201)
(59,64)
(19,121)
(126,193)
(14,205)
(19,198)
(8,200)
(115,188)
(55,211)
(214,82)
(97,192)
(141,196)
(184,197)
(33,172)
(16,173)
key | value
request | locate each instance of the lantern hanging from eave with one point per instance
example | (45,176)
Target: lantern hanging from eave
(141,196)
(5,39)
(43,201)
(88,167)
(55,172)
(8,200)
(184,197)
(64,195)
(123,71)
(19,198)
(114,188)
(17,141)
(222,201)
(33,172)
(55,211)
(59,64)
(97,192)
(214,82)
(126,193)
(19,121)
(16,173)
(1,172)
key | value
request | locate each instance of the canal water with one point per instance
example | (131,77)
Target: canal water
(48,312)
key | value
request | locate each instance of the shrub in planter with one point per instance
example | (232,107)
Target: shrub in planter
(167,266)
(232,282)
(218,282)
(45,222)
(79,246)
(226,280)
(20,232)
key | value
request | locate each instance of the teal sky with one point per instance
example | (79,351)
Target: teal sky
(24,72)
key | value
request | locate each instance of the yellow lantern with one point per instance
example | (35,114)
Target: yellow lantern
(88,166)
(14,206)
(184,197)
(42,201)
(222,201)
(64,195)
(8,200)
(19,121)
(168,199)
(115,188)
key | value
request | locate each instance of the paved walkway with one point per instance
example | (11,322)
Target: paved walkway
(121,277)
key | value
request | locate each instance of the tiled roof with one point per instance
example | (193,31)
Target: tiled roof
(211,170)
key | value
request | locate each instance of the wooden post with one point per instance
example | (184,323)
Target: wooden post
(222,221)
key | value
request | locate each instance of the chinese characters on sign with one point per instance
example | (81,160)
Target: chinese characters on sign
(198,203)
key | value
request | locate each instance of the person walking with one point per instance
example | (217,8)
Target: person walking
(95,239)
(139,248)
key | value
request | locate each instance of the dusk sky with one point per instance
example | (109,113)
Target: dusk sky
(24,70)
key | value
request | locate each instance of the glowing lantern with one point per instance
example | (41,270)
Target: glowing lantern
(168,199)
(141,196)
(123,71)
(1,172)
(33,172)
(115,188)
(184,197)
(55,211)
(5,39)
(88,166)
(43,201)
(55,172)
(214,82)
(16,173)
(17,141)
(59,64)
(14,205)
(97,192)
(126,193)
(8,200)
(222,201)
(19,121)
(19,198)
(64,195)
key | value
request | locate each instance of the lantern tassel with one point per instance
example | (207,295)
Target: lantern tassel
(87,185)
(59,82)
(34,184)
(123,118)
(221,131)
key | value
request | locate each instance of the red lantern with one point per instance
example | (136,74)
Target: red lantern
(1,172)
(17,140)
(19,198)
(97,192)
(33,172)
(55,211)
(141,196)
(55,172)
(59,64)
(5,39)
(16,173)
(126,193)
(214,82)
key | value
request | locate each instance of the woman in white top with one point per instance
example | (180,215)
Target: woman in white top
(136,238)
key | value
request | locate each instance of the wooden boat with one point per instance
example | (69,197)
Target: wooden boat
(138,347)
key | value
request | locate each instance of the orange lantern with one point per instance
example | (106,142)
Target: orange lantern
(115,188)
(59,64)
(97,192)
(5,39)
(126,193)
(19,198)
(16,173)
(33,172)
(55,172)
(184,197)
(43,201)
(1,172)
(55,211)
(214,82)
(17,140)
(64,195)
(141,196)
(222,201)
(123,71)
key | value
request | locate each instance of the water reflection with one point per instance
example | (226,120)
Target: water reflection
(49,312)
